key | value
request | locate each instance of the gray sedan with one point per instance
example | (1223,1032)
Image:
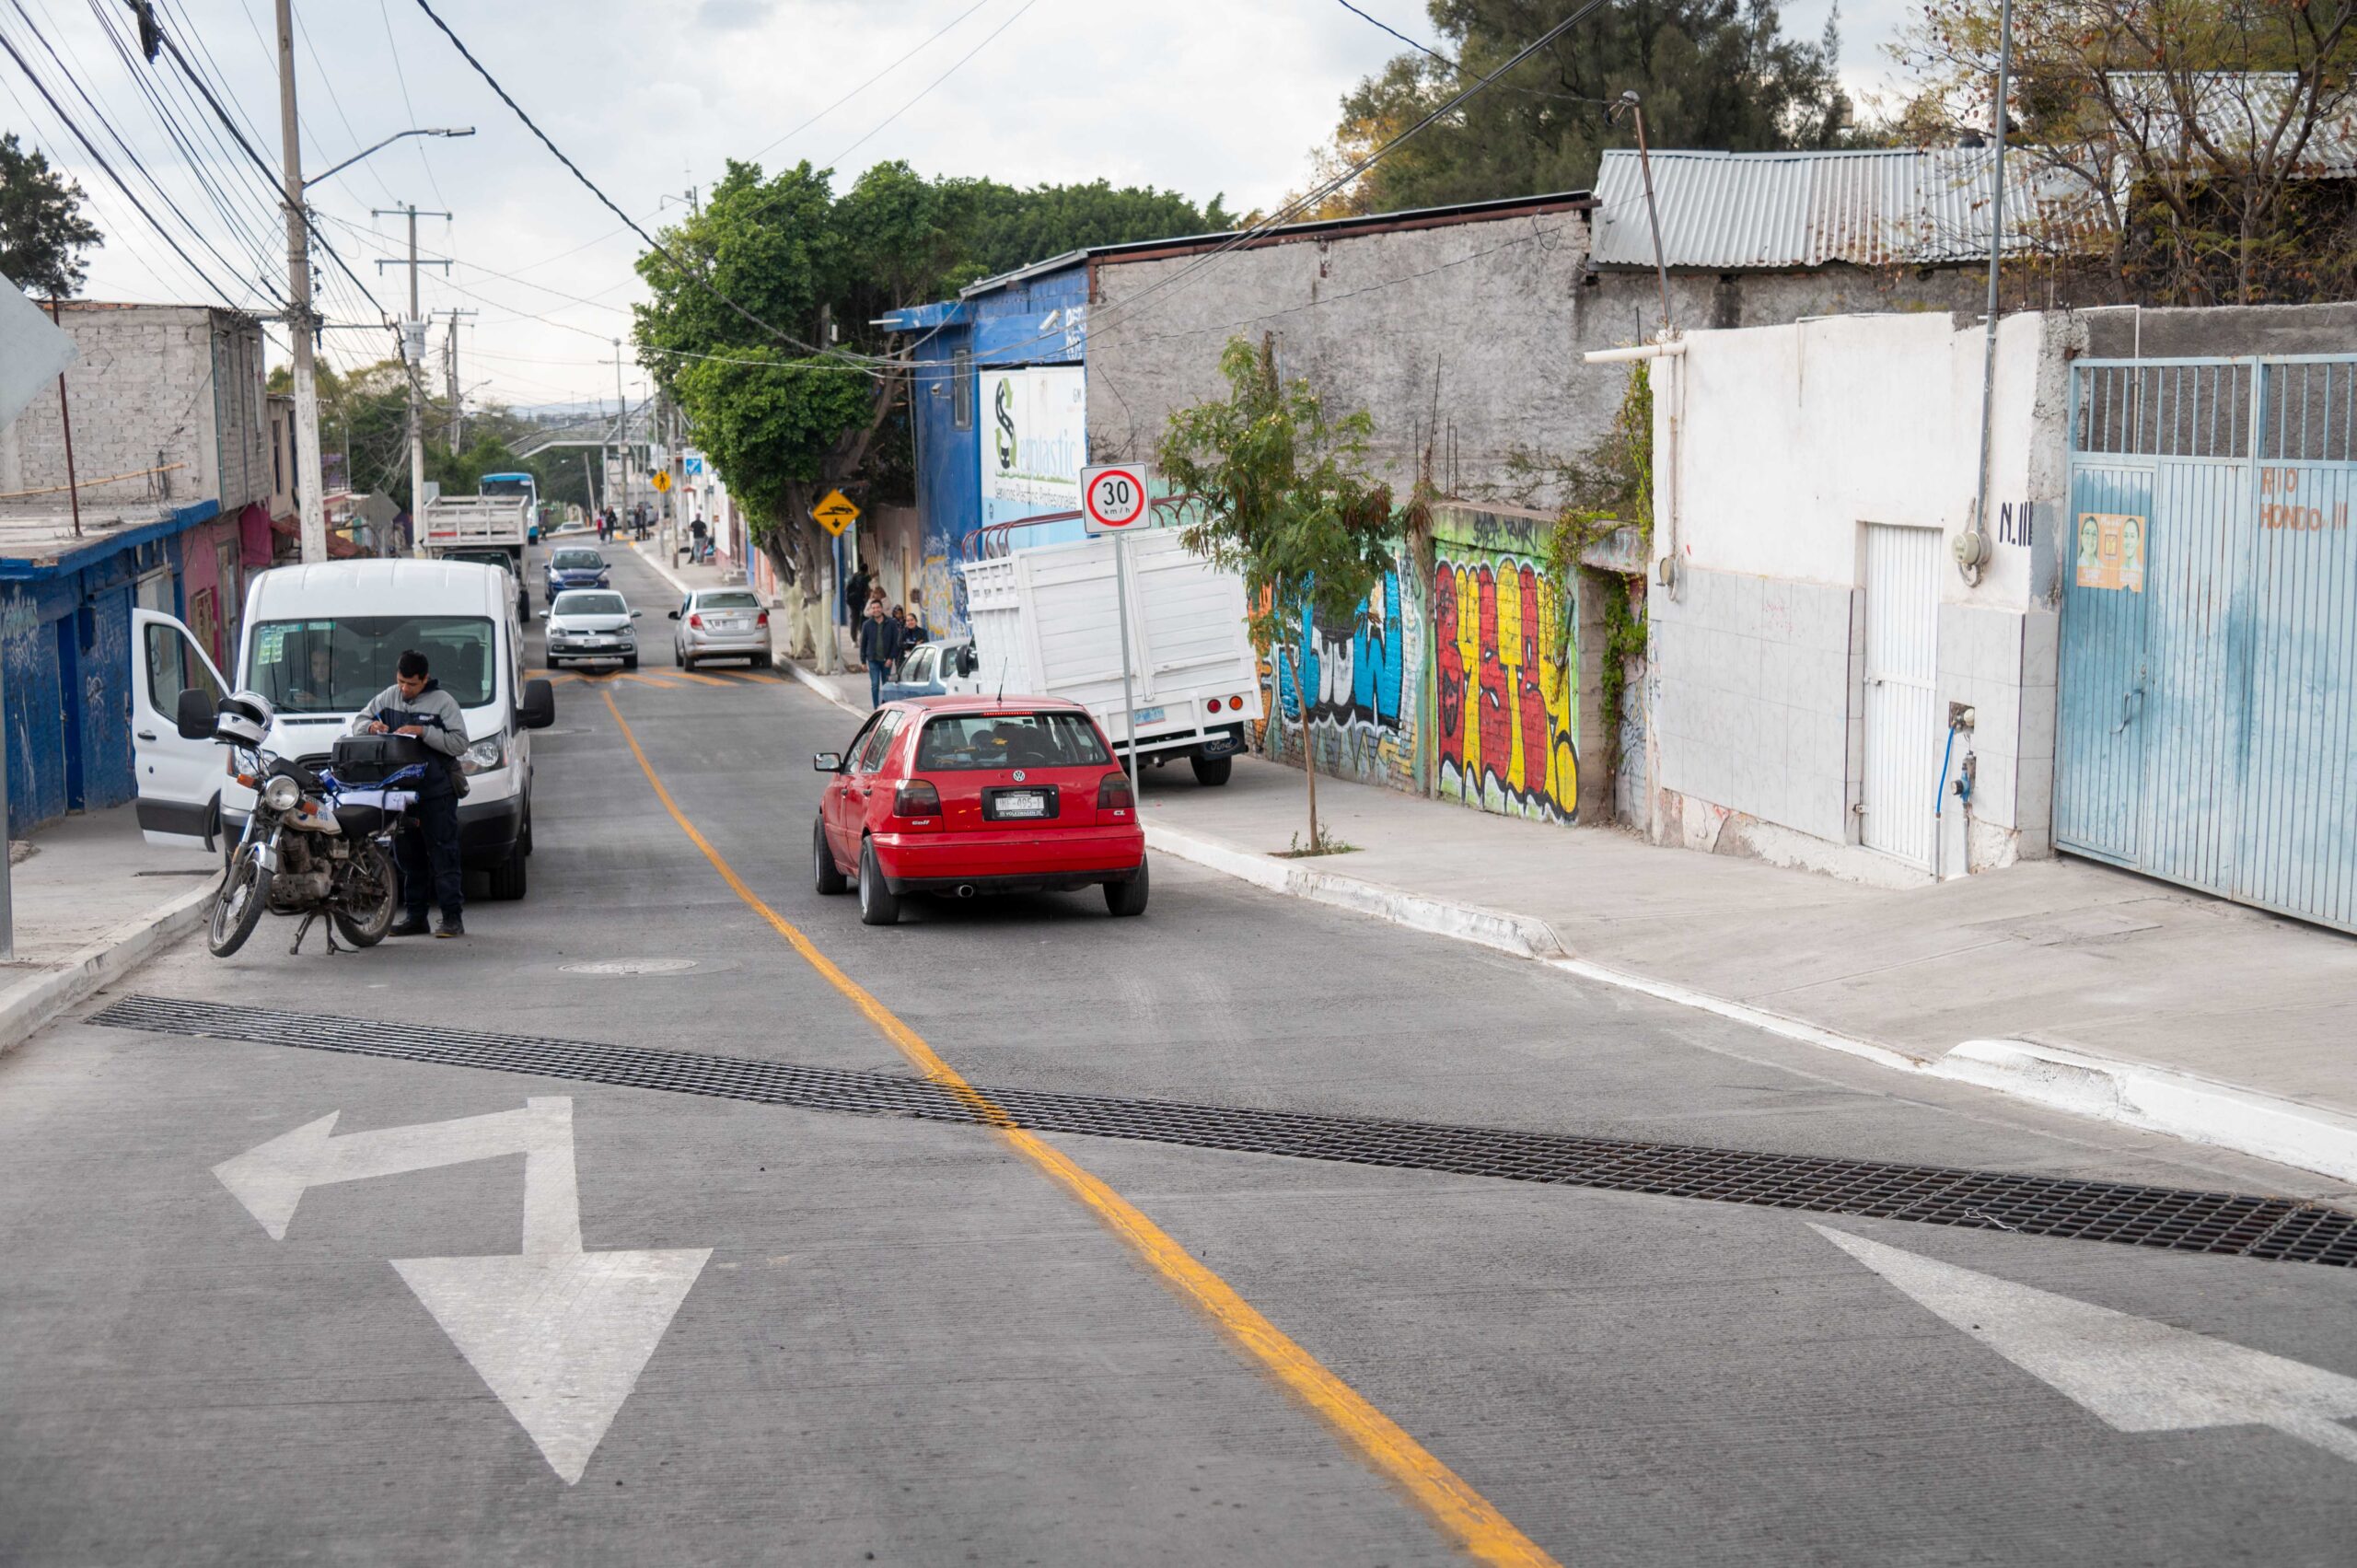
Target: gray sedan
(592,624)
(721,623)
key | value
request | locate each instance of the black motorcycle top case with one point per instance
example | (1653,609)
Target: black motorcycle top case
(366,759)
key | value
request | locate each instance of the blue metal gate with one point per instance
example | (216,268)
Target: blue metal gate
(2207,688)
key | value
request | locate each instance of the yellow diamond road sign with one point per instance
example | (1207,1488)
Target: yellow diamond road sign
(836,513)
(662,481)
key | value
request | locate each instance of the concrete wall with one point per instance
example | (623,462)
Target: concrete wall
(2129,331)
(156,385)
(1774,447)
(1472,319)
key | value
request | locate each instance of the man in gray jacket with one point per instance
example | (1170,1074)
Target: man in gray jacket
(415,704)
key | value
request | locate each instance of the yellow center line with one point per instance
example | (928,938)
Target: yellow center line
(1460,1511)
(699,679)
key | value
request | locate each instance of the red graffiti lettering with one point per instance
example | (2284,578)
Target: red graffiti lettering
(1496,717)
(1449,679)
(1532,700)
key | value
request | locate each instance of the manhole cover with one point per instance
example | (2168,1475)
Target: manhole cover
(632,966)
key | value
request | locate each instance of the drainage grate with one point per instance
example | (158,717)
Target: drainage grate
(2176,1219)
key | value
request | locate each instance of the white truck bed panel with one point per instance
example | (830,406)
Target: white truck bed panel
(475,522)
(1047,622)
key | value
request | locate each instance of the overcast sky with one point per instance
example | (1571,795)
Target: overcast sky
(1198,96)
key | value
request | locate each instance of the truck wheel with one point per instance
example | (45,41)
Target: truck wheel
(1128,898)
(829,877)
(1212,770)
(508,878)
(878,905)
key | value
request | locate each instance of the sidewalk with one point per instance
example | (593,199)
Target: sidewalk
(92,901)
(2083,988)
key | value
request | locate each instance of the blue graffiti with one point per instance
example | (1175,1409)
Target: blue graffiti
(1356,669)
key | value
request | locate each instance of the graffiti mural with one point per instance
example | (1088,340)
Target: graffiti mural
(1502,697)
(1362,710)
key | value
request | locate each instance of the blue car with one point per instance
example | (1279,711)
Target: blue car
(574,567)
(935,670)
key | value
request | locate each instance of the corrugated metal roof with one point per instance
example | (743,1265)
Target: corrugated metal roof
(2238,110)
(1734,212)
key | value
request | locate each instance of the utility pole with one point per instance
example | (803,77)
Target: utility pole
(450,351)
(301,324)
(621,428)
(413,352)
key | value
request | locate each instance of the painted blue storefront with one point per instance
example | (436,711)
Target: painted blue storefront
(66,650)
(1037,317)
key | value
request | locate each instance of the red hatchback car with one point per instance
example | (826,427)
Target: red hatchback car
(963,796)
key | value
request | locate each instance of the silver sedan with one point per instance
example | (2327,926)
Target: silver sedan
(721,623)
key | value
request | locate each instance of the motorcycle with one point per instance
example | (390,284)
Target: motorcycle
(314,845)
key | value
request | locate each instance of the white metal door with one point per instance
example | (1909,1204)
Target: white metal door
(1902,784)
(178,781)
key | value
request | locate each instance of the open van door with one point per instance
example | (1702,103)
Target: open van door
(179,781)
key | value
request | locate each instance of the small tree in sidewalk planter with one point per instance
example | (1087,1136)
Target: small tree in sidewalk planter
(1285,502)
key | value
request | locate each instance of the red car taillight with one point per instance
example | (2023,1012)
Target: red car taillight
(1113,793)
(917,798)
(762,618)
(696,621)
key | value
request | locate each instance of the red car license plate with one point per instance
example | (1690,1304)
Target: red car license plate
(1022,803)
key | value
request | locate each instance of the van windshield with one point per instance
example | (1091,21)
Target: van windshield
(338,666)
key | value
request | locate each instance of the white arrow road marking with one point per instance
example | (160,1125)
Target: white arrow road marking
(2136,1375)
(558,1335)
(561,1338)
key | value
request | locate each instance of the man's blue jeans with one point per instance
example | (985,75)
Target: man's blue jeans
(876,670)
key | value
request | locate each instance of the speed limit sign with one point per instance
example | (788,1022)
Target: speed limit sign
(1115,498)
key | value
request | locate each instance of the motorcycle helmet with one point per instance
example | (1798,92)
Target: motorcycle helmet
(243,718)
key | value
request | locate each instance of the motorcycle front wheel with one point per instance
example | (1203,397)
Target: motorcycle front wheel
(371,892)
(236,908)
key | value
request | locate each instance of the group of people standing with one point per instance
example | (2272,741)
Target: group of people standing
(610,524)
(885,635)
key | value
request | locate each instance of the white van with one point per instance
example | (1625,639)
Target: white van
(322,641)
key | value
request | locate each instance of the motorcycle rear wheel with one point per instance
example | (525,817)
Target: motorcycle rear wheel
(374,892)
(236,908)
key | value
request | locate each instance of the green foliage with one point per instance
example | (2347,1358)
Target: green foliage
(2178,140)
(42,231)
(1284,498)
(785,422)
(1611,485)
(1711,74)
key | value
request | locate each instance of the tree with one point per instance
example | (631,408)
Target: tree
(1282,498)
(789,388)
(2184,135)
(42,231)
(1711,74)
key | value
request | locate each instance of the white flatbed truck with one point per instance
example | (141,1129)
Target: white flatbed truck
(490,530)
(1046,623)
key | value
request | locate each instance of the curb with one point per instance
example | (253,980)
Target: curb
(818,685)
(34,1001)
(2157,1099)
(2160,1100)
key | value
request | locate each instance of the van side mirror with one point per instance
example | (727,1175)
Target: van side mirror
(828,763)
(969,660)
(538,709)
(194,714)
(636,613)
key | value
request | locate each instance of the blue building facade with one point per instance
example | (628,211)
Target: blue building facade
(65,651)
(999,405)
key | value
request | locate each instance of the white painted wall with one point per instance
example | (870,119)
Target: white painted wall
(1773,447)
(1795,436)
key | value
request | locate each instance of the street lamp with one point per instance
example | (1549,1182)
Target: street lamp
(428,131)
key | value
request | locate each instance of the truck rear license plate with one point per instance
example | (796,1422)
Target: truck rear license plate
(1147,716)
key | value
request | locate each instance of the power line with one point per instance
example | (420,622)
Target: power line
(871,81)
(591,186)
(401,77)
(67,120)
(935,82)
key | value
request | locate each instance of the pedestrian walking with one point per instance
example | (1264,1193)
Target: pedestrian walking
(697,537)
(879,643)
(907,638)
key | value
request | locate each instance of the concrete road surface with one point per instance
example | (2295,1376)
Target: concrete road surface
(547,1312)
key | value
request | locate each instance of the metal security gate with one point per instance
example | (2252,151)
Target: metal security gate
(1901,787)
(2207,688)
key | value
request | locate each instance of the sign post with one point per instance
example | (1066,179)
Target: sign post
(1116,498)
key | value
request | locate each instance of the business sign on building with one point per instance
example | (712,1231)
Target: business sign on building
(1035,439)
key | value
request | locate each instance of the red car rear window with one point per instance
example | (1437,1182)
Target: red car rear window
(1008,740)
